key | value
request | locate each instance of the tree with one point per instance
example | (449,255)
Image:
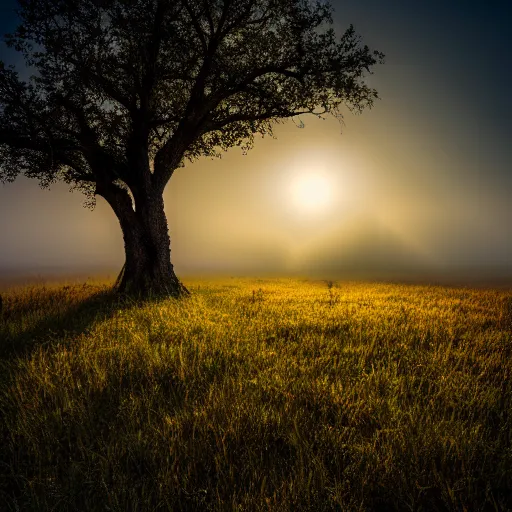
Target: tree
(125,91)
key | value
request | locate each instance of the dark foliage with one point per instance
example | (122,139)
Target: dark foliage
(124,91)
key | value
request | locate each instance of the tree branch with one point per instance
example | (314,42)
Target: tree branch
(14,140)
(278,114)
(196,25)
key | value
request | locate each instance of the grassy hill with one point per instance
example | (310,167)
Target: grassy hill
(271,395)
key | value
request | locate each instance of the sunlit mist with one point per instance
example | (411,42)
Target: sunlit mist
(311,192)
(417,187)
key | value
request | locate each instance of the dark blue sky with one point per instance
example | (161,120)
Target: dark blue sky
(435,153)
(462,49)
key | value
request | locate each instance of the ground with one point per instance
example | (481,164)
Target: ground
(257,395)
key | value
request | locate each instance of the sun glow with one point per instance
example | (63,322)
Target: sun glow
(311,192)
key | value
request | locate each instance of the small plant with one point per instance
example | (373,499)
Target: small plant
(333,295)
(257,296)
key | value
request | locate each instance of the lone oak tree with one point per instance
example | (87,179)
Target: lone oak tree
(125,91)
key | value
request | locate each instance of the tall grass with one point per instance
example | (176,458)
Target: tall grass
(275,395)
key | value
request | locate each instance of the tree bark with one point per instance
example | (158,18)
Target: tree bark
(148,271)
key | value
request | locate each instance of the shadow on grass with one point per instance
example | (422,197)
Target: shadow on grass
(124,443)
(53,318)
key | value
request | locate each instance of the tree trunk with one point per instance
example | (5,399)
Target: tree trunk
(148,270)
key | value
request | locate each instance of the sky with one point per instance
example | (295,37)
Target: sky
(419,187)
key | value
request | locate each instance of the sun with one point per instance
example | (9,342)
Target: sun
(311,192)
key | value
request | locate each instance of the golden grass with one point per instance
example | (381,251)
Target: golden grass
(270,395)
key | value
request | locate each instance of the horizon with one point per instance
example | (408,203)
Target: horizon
(482,277)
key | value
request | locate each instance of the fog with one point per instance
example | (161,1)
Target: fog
(391,214)
(420,185)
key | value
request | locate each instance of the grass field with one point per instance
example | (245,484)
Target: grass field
(271,395)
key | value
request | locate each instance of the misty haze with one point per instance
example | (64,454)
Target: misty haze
(390,216)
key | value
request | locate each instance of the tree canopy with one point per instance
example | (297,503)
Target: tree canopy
(181,78)
(125,91)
